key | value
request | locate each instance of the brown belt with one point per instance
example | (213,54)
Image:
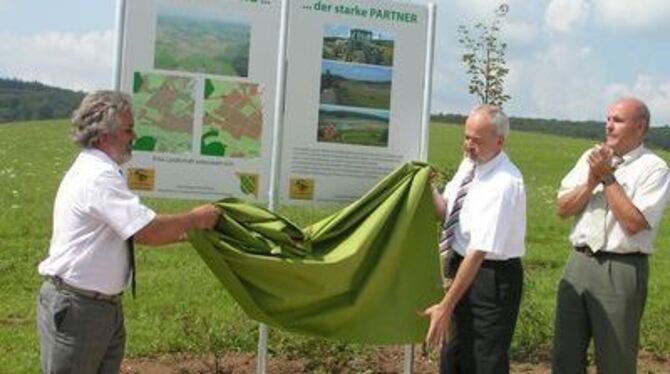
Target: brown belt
(60,284)
(585,249)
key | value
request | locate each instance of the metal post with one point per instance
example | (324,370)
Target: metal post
(425,126)
(408,366)
(428,79)
(118,44)
(262,355)
(275,162)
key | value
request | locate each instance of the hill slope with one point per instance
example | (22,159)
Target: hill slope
(24,101)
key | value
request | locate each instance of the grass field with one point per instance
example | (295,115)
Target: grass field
(363,94)
(180,306)
(356,85)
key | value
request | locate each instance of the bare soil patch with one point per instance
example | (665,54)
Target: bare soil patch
(386,360)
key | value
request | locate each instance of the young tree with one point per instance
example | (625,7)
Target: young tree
(484,58)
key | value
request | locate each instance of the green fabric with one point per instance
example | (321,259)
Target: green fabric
(359,275)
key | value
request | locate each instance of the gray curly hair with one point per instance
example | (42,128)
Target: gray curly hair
(98,114)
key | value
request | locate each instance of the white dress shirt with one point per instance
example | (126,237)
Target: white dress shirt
(646,180)
(94,214)
(493,217)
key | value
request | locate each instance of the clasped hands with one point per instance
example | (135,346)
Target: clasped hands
(600,163)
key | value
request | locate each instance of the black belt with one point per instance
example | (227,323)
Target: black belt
(60,284)
(492,264)
(585,249)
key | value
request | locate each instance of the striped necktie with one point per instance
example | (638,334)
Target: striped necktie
(450,224)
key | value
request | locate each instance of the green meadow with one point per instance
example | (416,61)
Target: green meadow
(181,307)
(364,94)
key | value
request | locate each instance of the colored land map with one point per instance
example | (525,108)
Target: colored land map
(163,106)
(233,119)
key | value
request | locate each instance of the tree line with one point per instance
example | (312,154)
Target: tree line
(657,137)
(29,101)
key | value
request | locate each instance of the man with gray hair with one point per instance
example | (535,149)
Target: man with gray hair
(617,192)
(91,255)
(482,242)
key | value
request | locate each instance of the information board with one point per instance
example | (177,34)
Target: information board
(203,75)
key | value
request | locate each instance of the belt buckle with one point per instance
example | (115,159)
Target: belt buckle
(109,298)
(586,250)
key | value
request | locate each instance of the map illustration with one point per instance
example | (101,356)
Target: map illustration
(163,107)
(233,119)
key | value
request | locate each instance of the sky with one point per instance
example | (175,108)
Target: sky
(568,59)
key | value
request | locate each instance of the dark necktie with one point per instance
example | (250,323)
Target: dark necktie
(450,224)
(131,264)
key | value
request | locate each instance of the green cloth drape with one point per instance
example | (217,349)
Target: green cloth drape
(359,275)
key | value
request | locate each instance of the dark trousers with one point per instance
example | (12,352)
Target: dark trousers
(484,320)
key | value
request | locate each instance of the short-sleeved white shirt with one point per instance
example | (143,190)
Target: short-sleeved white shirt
(493,216)
(646,180)
(94,214)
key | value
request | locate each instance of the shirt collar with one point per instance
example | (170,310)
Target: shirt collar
(632,155)
(485,168)
(101,156)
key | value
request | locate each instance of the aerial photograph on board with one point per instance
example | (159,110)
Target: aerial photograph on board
(200,42)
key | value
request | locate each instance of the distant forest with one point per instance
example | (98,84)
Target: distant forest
(29,101)
(657,137)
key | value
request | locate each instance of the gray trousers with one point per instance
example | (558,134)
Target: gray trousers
(79,334)
(601,298)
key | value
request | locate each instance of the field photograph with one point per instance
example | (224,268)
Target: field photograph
(348,125)
(197,42)
(364,46)
(355,85)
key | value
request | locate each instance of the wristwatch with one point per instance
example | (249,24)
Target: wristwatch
(609,179)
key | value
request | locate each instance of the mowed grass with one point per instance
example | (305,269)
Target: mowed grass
(181,307)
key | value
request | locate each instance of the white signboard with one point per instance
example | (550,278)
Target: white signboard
(203,78)
(354,96)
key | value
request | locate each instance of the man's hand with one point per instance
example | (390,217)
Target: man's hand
(440,322)
(600,162)
(433,175)
(205,216)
